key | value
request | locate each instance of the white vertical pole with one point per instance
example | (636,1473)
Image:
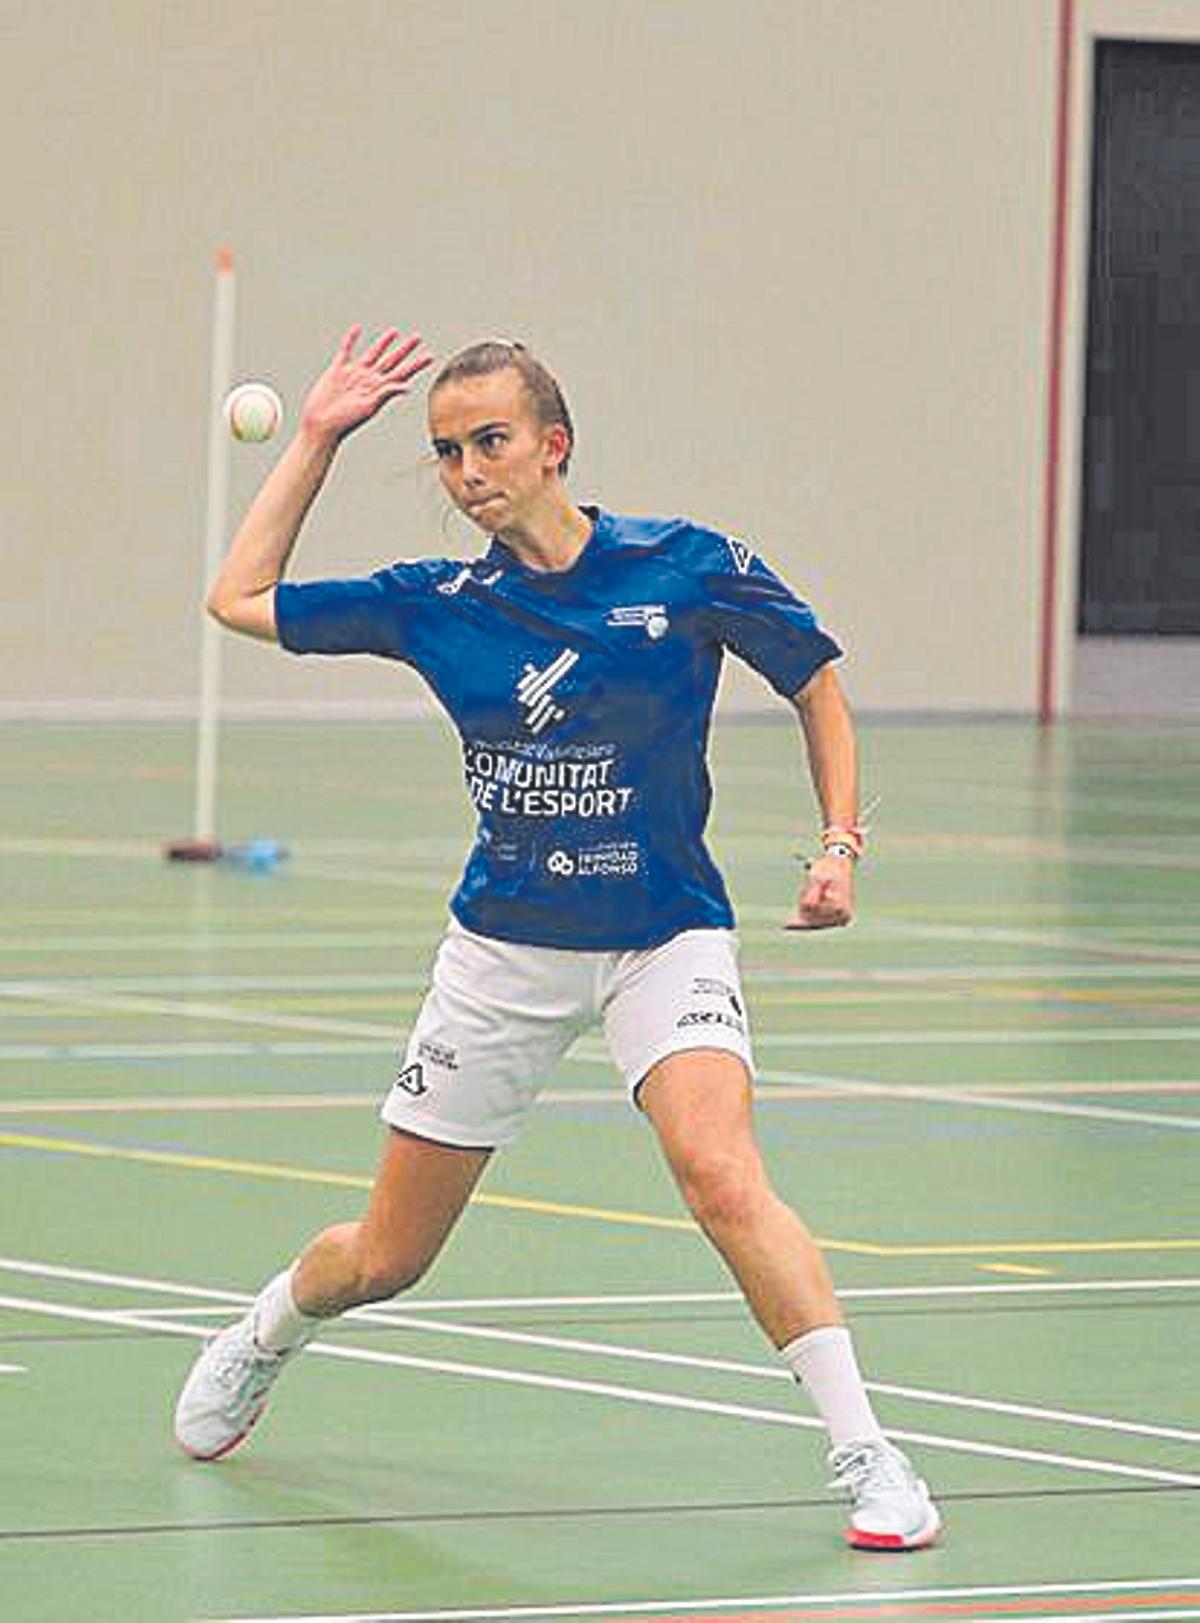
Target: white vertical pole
(216,519)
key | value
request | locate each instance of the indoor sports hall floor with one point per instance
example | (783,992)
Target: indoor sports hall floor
(985,1098)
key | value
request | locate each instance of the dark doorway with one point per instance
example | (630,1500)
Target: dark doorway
(1140,551)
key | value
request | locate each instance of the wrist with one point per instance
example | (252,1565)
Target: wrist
(847,840)
(317,441)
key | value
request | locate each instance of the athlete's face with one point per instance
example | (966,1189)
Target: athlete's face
(496,461)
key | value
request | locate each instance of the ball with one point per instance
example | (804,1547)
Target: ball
(253,411)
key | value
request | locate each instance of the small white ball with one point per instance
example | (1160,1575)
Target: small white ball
(253,411)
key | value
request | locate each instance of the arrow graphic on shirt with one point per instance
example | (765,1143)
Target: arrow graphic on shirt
(535,687)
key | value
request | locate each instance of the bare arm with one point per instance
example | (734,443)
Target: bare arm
(347,394)
(827,898)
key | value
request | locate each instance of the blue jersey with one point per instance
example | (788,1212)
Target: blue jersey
(583,700)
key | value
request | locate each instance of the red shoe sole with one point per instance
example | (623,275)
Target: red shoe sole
(228,1448)
(891,1543)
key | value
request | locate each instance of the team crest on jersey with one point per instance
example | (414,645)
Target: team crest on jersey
(652,616)
(535,691)
(741,554)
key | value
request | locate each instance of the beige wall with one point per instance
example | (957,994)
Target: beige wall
(790,258)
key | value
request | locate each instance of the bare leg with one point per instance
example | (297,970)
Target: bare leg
(419,1193)
(699,1103)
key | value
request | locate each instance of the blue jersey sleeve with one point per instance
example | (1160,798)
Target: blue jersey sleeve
(367,616)
(758,617)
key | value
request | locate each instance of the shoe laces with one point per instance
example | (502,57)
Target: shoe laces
(246,1370)
(869,1467)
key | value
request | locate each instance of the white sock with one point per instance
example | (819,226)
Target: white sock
(824,1363)
(279,1324)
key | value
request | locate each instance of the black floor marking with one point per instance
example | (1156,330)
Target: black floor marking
(553,1513)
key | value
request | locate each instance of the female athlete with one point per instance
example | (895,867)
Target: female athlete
(578,657)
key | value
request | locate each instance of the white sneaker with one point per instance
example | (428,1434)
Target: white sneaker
(891,1507)
(226,1393)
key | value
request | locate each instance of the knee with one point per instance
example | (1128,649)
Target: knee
(722,1191)
(382,1274)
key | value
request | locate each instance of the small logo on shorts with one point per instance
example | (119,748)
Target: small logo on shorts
(412,1080)
(439,1054)
(703,986)
(708,1017)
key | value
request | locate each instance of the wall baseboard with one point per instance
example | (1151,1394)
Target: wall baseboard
(1135,677)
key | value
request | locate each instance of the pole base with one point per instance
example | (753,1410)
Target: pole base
(193,851)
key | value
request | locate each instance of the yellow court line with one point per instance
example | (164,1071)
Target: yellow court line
(286,1173)
(1020,1268)
(341,1180)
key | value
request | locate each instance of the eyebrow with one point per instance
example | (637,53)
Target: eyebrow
(476,433)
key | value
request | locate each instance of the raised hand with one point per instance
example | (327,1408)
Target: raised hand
(353,388)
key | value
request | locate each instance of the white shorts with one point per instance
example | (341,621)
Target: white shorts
(499,1016)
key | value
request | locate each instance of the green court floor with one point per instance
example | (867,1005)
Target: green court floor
(985,1098)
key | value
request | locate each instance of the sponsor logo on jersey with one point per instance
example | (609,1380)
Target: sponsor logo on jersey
(451,588)
(652,617)
(521,779)
(535,691)
(614,859)
(741,554)
(412,1080)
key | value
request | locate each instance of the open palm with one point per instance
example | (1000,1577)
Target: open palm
(353,388)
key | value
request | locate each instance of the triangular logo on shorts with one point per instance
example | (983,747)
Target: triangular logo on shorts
(742,556)
(412,1080)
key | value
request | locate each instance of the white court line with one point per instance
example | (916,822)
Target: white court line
(682,1609)
(55,993)
(401,1320)
(972,1038)
(1010,936)
(1000,1097)
(187,1103)
(13,1369)
(677,1605)
(200,1050)
(304,940)
(800,978)
(13,984)
(1083,938)
(398,1319)
(679,1609)
(572,1344)
(1043,1287)
(984,1101)
(406,879)
(137,1282)
(560,1383)
(624,1394)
